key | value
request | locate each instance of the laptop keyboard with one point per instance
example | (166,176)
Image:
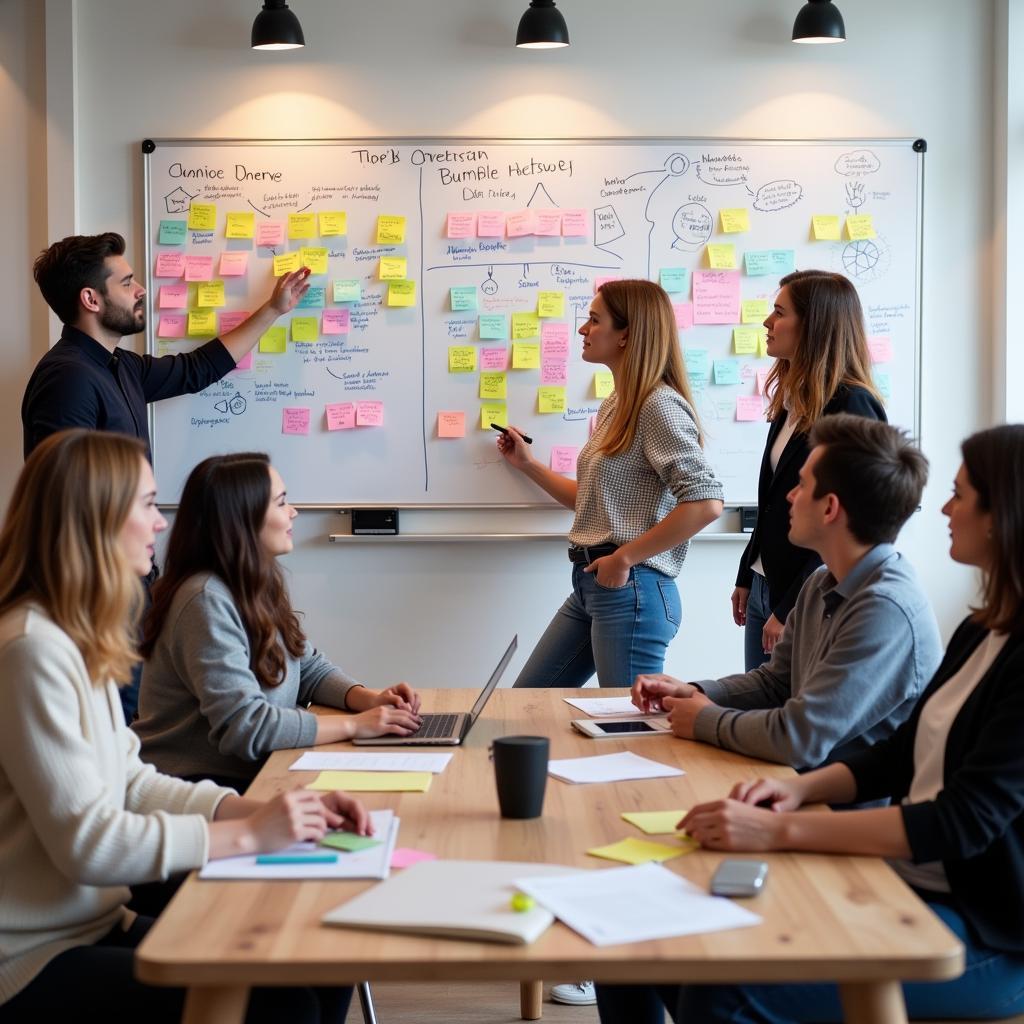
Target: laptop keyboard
(436,725)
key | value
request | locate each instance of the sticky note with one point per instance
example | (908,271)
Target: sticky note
(286,263)
(769,262)
(519,223)
(674,279)
(315,298)
(230,320)
(825,227)
(554,371)
(554,340)
(879,346)
(461,225)
(684,315)
(406,856)
(716,297)
(245,363)
(302,225)
(390,229)
(599,281)
(402,293)
(305,328)
(172,232)
(884,384)
(493,327)
(349,841)
(490,224)
(697,366)
(494,359)
(233,264)
(172,325)
(269,233)
(762,379)
(393,268)
(859,226)
(525,355)
(551,304)
(315,258)
(525,325)
(749,408)
(563,458)
(754,311)
(493,385)
(332,223)
(240,225)
(463,297)
(340,415)
(374,782)
(335,321)
(348,290)
(198,268)
(721,256)
(604,383)
(734,220)
(370,414)
(550,400)
(574,223)
(274,340)
(636,851)
(655,823)
(202,216)
(451,424)
(461,359)
(173,296)
(210,295)
(547,222)
(493,412)
(202,322)
(295,420)
(727,371)
(762,346)
(745,340)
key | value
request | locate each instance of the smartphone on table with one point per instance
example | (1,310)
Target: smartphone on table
(739,878)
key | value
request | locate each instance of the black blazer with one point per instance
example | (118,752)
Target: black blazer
(975,825)
(785,565)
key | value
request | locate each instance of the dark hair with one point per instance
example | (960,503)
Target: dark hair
(994,461)
(875,471)
(216,529)
(74,263)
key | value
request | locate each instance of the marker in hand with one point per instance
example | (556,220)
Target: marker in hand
(504,430)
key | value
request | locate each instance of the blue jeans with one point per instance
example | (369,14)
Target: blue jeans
(619,633)
(758,613)
(992,986)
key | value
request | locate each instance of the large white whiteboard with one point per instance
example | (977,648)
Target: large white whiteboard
(648,205)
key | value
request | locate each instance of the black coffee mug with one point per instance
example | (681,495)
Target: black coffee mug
(521,773)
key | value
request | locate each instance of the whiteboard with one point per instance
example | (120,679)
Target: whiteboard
(607,208)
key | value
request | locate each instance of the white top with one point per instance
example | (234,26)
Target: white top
(787,431)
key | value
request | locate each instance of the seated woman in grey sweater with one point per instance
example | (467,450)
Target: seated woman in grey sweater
(228,668)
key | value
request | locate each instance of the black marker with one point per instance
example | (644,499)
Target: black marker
(504,430)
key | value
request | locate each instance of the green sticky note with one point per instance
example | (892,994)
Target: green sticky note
(305,328)
(275,340)
(348,291)
(348,841)
(727,371)
(313,299)
(463,298)
(769,262)
(675,280)
(493,327)
(172,232)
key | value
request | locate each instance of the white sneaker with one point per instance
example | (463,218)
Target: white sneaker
(576,993)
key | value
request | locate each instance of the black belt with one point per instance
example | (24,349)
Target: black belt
(584,556)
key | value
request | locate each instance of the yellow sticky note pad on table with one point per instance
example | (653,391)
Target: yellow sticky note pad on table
(550,304)
(859,226)
(655,823)
(390,229)
(402,293)
(754,311)
(210,294)
(202,322)
(240,225)
(302,225)
(333,223)
(525,355)
(525,325)
(493,412)
(746,340)
(737,219)
(393,268)
(493,385)
(202,216)
(825,227)
(315,258)
(722,256)
(304,328)
(461,359)
(635,851)
(274,340)
(551,399)
(373,782)
(604,383)
(286,262)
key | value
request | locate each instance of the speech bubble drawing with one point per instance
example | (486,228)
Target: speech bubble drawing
(778,195)
(692,226)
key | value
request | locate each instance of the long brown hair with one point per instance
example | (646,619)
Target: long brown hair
(217,530)
(651,356)
(994,461)
(832,349)
(60,544)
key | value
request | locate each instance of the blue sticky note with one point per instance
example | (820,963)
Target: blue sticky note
(675,280)
(727,371)
(769,262)
(696,363)
(493,327)
(463,298)
(172,232)
(349,290)
(883,382)
(313,299)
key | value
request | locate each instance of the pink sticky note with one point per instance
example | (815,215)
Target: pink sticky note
(340,416)
(519,223)
(494,359)
(461,225)
(547,222)
(173,296)
(554,340)
(245,363)
(451,424)
(574,223)
(295,420)
(198,268)
(879,345)
(335,321)
(172,325)
(233,264)
(749,407)
(762,379)
(490,224)
(270,232)
(716,296)
(684,315)
(554,372)
(405,856)
(369,414)
(230,320)
(563,458)
(169,264)
(598,281)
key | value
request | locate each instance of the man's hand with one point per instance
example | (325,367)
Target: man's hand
(682,712)
(648,691)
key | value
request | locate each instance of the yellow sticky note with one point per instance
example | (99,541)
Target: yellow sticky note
(754,311)
(314,258)
(604,383)
(722,256)
(305,328)
(240,225)
(461,359)
(390,230)
(859,226)
(275,340)
(525,325)
(526,355)
(655,823)
(393,268)
(202,216)
(286,262)
(551,304)
(373,782)
(493,412)
(202,322)
(551,399)
(737,219)
(210,294)
(825,227)
(302,225)
(493,385)
(333,223)
(747,340)
(635,851)
(402,293)
(762,346)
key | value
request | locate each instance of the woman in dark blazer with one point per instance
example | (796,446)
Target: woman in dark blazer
(816,335)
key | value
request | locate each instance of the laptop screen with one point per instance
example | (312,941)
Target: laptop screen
(493,681)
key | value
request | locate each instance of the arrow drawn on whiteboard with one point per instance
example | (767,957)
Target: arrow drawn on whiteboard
(256,208)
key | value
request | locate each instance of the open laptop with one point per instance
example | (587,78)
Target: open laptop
(447,730)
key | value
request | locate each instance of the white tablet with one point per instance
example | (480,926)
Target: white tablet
(620,728)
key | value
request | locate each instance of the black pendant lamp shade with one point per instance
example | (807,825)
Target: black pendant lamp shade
(819,21)
(542,27)
(276,28)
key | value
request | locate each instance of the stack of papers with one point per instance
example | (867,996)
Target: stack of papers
(327,761)
(610,768)
(599,707)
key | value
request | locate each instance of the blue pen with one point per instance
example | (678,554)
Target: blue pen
(297,858)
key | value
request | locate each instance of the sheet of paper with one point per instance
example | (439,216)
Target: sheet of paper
(637,851)
(302,225)
(241,224)
(451,424)
(202,216)
(340,416)
(323,761)
(634,904)
(406,856)
(269,232)
(372,782)
(333,223)
(655,823)
(601,707)
(610,768)
(390,229)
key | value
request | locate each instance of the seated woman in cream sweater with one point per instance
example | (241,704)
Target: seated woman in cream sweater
(81,817)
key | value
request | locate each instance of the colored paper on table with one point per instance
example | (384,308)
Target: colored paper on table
(825,227)
(348,290)
(340,415)
(749,408)
(169,264)
(727,371)
(332,222)
(860,226)
(563,458)
(769,262)
(525,325)
(233,264)
(493,412)
(604,383)
(172,232)
(274,340)
(519,223)
(302,225)
(172,325)
(746,340)
(463,297)
(754,311)
(295,420)
(494,359)
(369,414)
(336,321)
(547,222)
(241,224)
(315,258)
(210,295)
(734,220)
(655,823)
(245,363)
(393,268)
(198,268)
(554,340)
(684,315)
(493,327)
(406,856)
(287,263)
(269,233)
(674,279)
(461,225)
(551,400)
(315,298)
(349,841)
(879,345)
(461,359)
(373,782)
(762,379)
(401,293)
(490,224)
(637,851)
(525,355)
(697,365)
(493,385)
(305,328)
(202,322)
(173,296)
(202,216)
(390,229)
(551,304)
(574,223)
(716,296)
(229,320)
(451,424)
(721,256)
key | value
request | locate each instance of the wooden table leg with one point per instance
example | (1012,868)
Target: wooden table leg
(531,997)
(225,1005)
(873,1002)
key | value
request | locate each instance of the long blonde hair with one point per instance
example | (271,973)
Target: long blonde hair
(59,545)
(650,358)
(832,349)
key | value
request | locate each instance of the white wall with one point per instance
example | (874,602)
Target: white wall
(440,613)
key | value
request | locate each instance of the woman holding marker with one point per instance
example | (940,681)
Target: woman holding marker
(816,336)
(643,489)
(82,818)
(229,672)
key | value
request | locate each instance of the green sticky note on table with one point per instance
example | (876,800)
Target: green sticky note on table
(637,851)
(172,232)
(655,823)
(373,782)
(348,841)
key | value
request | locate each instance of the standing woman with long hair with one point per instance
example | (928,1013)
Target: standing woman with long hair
(643,489)
(822,366)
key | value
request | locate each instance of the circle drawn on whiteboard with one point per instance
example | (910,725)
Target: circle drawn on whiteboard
(489,286)
(677,164)
(865,260)
(692,226)
(234,405)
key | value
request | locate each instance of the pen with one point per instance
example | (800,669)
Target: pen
(504,430)
(297,858)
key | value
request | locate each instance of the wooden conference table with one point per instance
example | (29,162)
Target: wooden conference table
(826,918)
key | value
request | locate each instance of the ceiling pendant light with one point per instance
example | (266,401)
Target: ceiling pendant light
(276,28)
(819,21)
(542,27)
